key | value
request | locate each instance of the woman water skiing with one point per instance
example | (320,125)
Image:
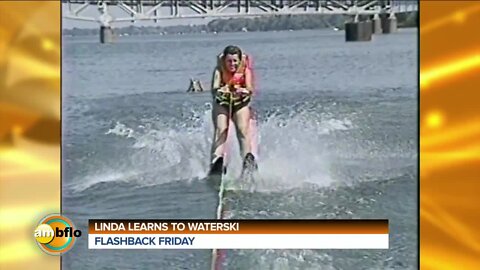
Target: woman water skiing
(232,90)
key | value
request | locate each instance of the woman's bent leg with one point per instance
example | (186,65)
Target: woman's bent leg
(242,124)
(220,121)
(253,133)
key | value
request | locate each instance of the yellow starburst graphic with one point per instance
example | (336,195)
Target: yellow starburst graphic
(449,135)
(29,96)
(444,72)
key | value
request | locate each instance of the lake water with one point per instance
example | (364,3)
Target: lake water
(337,131)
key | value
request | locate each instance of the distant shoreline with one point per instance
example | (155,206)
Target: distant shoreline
(258,24)
(207,33)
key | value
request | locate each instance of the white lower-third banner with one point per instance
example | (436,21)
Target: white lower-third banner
(238,241)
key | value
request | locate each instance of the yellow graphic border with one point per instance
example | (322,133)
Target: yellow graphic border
(449,135)
(30,45)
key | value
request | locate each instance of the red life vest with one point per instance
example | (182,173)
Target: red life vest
(236,80)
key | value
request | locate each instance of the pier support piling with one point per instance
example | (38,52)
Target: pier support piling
(389,24)
(358,31)
(106,34)
(376,24)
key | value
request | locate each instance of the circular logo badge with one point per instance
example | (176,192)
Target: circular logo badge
(56,234)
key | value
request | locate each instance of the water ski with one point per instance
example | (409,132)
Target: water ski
(249,170)
(246,180)
(217,170)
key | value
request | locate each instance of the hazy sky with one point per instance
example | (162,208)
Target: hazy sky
(92,11)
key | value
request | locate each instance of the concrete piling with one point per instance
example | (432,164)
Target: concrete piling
(389,24)
(376,24)
(358,31)
(106,34)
